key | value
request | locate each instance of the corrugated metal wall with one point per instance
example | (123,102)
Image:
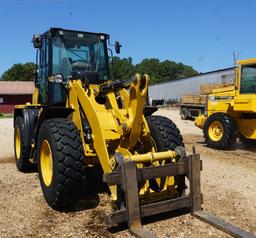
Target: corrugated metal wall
(173,90)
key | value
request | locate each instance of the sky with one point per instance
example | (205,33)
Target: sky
(200,33)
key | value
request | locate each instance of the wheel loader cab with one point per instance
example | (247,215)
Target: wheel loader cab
(248,79)
(65,54)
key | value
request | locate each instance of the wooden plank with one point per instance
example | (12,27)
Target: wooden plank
(207,88)
(165,206)
(150,209)
(150,172)
(222,225)
(203,99)
(130,186)
(193,99)
(163,171)
(195,184)
(112,178)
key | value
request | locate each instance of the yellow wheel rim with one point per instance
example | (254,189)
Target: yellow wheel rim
(216,131)
(46,162)
(17,143)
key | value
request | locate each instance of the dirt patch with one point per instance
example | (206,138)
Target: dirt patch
(7,160)
(6,139)
(228,186)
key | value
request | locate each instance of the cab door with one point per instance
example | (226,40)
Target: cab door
(248,79)
(42,79)
(245,101)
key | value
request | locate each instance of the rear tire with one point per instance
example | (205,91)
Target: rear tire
(184,113)
(220,131)
(166,136)
(60,157)
(22,148)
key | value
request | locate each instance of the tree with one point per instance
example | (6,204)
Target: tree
(164,71)
(123,68)
(185,71)
(150,67)
(168,70)
(20,72)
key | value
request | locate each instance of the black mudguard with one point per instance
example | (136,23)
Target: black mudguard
(149,110)
(33,120)
(30,117)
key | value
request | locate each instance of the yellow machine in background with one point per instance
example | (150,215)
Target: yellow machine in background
(231,111)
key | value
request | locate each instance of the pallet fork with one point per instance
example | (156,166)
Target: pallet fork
(128,177)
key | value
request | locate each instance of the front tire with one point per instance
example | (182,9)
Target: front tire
(220,131)
(184,113)
(60,159)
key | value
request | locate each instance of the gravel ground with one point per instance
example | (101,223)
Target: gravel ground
(228,185)
(6,132)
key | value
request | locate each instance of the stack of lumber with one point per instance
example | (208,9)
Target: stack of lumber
(203,99)
(191,99)
(207,88)
(194,99)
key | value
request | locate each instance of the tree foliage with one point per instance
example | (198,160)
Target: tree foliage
(150,67)
(20,72)
(124,69)
(164,71)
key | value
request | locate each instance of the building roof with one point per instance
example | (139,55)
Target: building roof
(16,87)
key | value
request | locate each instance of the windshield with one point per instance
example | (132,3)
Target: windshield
(74,51)
(248,79)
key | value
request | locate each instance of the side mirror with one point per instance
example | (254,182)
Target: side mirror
(117,47)
(37,41)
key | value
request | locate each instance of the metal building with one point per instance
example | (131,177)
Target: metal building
(173,90)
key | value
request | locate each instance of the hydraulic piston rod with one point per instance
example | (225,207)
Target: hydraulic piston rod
(152,157)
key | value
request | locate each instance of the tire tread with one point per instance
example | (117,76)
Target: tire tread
(170,133)
(230,135)
(70,158)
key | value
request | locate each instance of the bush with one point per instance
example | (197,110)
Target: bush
(1,114)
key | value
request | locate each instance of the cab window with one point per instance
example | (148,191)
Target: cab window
(248,79)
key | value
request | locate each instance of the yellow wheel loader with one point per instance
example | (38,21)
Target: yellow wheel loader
(80,118)
(231,111)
